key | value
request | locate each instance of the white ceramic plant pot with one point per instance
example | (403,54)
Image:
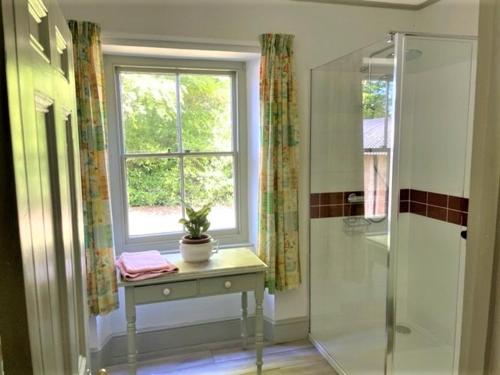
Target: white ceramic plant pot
(195,251)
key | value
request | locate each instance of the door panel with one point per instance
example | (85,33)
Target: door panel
(41,92)
(47,256)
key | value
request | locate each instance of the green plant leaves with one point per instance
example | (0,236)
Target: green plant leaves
(197,223)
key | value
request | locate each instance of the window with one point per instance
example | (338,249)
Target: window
(177,137)
(377,96)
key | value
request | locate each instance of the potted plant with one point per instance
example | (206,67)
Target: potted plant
(197,245)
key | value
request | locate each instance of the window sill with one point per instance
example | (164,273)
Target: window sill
(222,247)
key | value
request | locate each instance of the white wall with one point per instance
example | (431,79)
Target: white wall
(459,17)
(323,32)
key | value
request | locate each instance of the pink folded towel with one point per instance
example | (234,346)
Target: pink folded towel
(143,265)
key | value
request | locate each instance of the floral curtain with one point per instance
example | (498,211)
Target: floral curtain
(278,185)
(101,277)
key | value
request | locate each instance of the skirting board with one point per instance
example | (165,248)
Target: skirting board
(164,342)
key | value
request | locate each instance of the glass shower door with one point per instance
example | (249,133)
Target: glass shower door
(351,138)
(435,127)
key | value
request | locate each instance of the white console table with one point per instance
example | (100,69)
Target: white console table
(236,270)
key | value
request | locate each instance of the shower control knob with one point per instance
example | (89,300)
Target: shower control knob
(227,284)
(166,292)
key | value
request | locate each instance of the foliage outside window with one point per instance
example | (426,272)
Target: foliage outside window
(375,99)
(178,147)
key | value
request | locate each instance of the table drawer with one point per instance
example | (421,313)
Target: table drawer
(227,284)
(165,292)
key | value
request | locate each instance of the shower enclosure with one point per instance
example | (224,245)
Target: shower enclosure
(391,129)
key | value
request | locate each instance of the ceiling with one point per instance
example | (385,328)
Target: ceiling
(407,4)
(400,4)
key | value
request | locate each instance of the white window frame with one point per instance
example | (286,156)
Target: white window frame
(116,153)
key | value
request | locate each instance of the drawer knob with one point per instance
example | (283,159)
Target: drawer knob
(228,284)
(166,292)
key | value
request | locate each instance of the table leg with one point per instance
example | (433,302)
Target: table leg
(131,331)
(259,322)
(244,319)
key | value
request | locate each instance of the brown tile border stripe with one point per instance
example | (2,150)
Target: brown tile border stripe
(437,206)
(335,204)
(443,207)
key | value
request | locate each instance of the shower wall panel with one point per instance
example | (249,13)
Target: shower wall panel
(348,254)
(434,157)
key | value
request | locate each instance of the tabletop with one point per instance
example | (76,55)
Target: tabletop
(224,262)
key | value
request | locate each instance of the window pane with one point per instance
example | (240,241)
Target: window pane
(377,136)
(206,112)
(210,180)
(376,177)
(377,99)
(153,189)
(149,114)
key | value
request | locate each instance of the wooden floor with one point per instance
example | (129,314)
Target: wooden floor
(296,358)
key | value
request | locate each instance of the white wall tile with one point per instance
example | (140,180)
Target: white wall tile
(337,127)
(433,276)
(348,294)
(438,113)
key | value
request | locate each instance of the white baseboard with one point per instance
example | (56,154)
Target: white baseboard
(159,343)
(286,330)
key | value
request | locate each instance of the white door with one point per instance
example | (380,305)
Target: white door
(41,97)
